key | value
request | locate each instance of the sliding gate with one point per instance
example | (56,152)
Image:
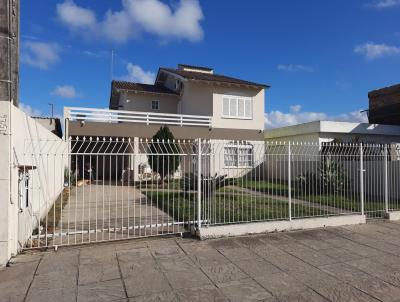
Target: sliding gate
(85,190)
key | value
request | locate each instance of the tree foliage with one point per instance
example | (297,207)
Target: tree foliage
(163,150)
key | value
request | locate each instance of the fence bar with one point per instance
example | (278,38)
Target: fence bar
(289,181)
(385,158)
(361,179)
(199,183)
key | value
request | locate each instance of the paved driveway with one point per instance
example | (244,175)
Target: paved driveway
(358,263)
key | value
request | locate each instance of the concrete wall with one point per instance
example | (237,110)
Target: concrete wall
(142,102)
(43,161)
(9,50)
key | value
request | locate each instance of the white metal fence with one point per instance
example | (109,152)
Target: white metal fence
(119,188)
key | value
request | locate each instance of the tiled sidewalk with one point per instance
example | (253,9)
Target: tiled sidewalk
(358,263)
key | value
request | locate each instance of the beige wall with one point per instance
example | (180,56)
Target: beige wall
(205,99)
(142,102)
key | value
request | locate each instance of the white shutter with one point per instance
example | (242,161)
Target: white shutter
(241,107)
(248,108)
(233,107)
(225,110)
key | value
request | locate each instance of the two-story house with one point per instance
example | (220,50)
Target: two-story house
(193,101)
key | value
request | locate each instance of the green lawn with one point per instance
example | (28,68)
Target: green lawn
(278,188)
(226,208)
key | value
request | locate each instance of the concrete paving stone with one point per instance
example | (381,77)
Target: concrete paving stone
(267,250)
(379,289)
(276,239)
(59,261)
(315,244)
(249,242)
(353,247)
(15,280)
(389,260)
(344,272)
(182,263)
(256,267)
(55,280)
(100,271)
(223,243)
(111,290)
(201,294)
(165,250)
(24,258)
(343,292)
(187,278)
(208,257)
(237,253)
(281,284)
(244,290)
(287,262)
(51,295)
(223,272)
(100,254)
(339,254)
(148,282)
(157,297)
(313,277)
(305,296)
(307,254)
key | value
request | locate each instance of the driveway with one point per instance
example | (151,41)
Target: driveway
(357,263)
(97,213)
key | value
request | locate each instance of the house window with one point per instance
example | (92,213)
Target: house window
(155,105)
(237,107)
(238,154)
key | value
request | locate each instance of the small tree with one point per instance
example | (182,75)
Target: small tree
(162,149)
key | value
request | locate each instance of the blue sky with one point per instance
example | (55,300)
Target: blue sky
(320,57)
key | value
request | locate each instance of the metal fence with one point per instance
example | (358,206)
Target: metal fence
(101,189)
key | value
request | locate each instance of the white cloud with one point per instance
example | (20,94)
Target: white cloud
(275,119)
(66,91)
(294,68)
(29,110)
(182,21)
(383,3)
(373,51)
(76,17)
(137,74)
(40,54)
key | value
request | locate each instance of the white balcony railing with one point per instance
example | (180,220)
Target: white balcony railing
(123,116)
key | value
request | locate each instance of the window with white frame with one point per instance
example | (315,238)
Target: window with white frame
(238,154)
(237,107)
(155,105)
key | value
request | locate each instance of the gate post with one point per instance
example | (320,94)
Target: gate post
(361,179)
(199,183)
(385,169)
(290,182)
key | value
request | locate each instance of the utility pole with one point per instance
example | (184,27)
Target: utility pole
(52,109)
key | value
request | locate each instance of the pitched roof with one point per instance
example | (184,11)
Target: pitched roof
(159,89)
(209,77)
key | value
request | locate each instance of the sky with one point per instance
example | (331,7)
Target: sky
(319,57)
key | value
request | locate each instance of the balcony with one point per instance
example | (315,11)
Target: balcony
(81,114)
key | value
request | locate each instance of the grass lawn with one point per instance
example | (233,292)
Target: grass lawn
(280,188)
(227,208)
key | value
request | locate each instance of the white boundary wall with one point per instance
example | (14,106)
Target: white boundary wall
(18,130)
(229,230)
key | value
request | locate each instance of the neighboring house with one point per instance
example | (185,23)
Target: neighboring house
(327,131)
(384,106)
(52,124)
(193,101)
